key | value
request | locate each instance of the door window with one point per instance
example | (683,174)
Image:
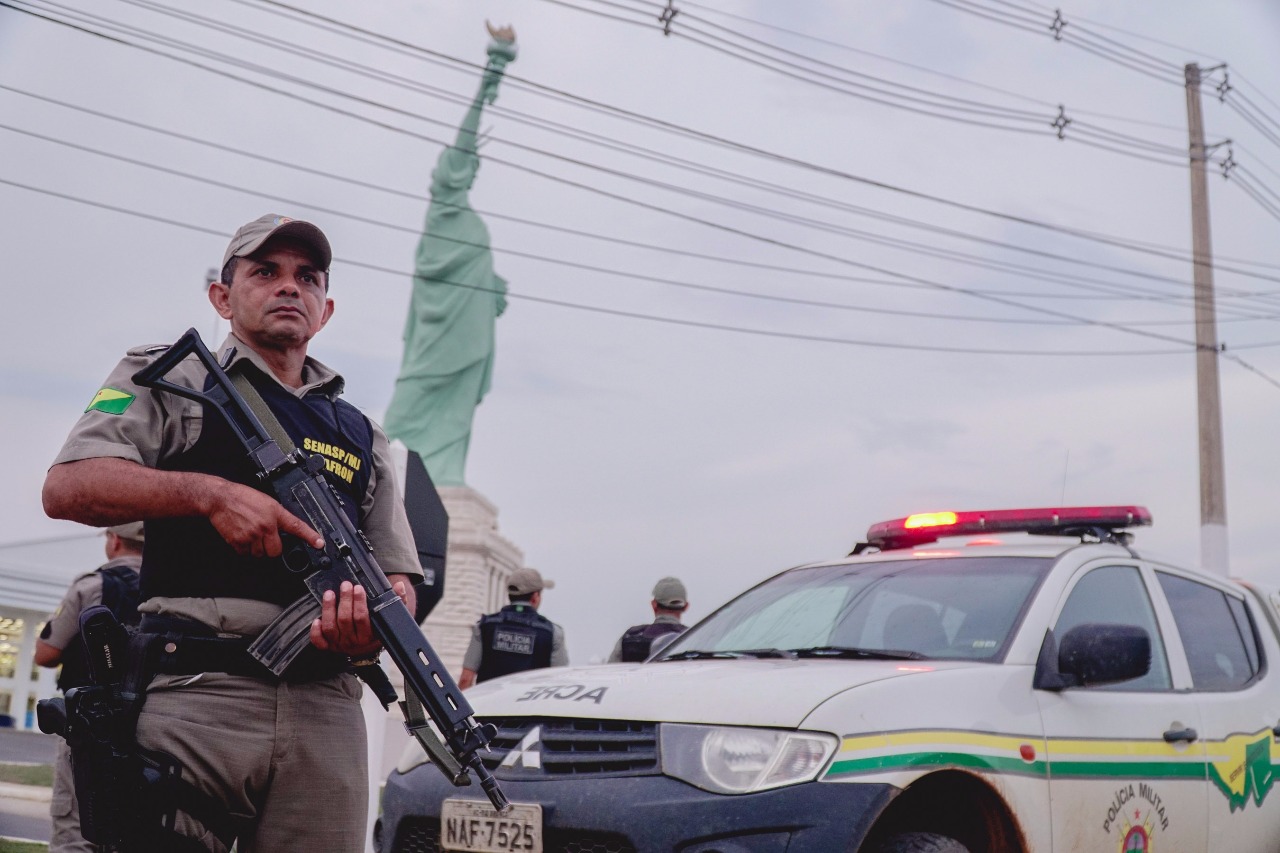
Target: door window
(1217,633)
(1117,595)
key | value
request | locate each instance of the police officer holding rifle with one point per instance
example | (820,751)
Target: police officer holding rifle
(270,746)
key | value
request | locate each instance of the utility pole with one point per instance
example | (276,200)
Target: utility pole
(1213,498)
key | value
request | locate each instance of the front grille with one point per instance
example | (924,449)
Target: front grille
(422,835)
(569,747)
(417,835)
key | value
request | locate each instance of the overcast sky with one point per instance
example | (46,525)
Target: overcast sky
(995,365)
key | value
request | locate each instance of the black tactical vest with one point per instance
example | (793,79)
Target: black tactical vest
(120,596)
(638,639)
(186,557)
(514,639)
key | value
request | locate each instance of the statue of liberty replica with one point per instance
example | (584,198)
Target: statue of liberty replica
(449,333)
(447,369)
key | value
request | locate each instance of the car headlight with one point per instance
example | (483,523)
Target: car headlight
(738,760)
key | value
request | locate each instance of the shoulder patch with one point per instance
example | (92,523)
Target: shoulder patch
(110,401)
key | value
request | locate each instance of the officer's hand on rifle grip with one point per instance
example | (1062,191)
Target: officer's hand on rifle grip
(251,522)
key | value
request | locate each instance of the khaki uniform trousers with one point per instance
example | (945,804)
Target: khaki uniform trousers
(64,810)
(289,761)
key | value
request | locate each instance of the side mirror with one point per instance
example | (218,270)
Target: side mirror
(1092,654)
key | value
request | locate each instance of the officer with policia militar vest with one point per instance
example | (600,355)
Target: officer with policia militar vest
(517,637)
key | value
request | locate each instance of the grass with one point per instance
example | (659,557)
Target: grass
(7,846)
(26,774)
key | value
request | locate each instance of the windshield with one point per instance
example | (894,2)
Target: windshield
(964,608)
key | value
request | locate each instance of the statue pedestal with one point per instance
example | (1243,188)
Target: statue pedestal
(478,564)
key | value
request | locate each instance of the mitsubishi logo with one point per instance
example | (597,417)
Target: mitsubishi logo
(527,752)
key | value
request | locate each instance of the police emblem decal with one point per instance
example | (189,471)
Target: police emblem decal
(527,753)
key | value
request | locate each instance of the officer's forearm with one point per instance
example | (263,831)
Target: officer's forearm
(47,655)
(105,491)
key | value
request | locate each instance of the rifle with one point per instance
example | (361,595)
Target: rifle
(297,481)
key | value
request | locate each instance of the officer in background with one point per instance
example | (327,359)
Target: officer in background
(517,637)
(669,603)
(114,584)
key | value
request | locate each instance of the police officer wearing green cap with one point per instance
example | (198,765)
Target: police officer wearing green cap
(517,638)
(284,758)
(669,603)
(115,585)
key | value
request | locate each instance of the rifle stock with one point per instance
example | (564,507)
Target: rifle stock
(297,481)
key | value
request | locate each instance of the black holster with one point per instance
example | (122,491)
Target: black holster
(129,796)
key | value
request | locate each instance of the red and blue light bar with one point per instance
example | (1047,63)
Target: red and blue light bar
(925,527)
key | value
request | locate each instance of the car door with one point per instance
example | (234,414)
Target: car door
(1227,655)
(1126,768)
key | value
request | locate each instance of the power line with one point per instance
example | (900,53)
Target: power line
(418,197)
(859,235)
(630,200)
(1247,366)
(964,114)
(1134,34)
(703,324)
(686,15)
(651,182)
(50,540)
(148,164)
(668,159)
(576,264)
(540,151)
(168,220)
(1081,37)
(981,107)
(368,36)
(747,53)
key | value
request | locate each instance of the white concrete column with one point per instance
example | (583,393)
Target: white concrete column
(24,687)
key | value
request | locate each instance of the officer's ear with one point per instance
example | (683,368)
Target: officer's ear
(220,299)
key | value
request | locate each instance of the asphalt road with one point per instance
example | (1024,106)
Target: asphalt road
(21,817)
(27,747)
(30,825)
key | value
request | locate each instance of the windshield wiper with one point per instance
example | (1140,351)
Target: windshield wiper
(851,652)
(698,654)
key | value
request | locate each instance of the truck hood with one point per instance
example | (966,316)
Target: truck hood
(755,692)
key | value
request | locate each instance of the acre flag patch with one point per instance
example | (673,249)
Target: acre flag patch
(111,401)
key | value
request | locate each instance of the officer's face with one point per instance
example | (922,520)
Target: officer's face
(277,297)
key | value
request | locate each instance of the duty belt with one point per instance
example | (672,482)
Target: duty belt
(187,647)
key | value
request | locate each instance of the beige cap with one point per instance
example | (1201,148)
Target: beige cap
(251,236)
(133,531)
(526,580)
(670,594)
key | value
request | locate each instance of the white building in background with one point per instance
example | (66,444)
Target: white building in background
(33,578)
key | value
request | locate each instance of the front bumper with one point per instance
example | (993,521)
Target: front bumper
(646,814)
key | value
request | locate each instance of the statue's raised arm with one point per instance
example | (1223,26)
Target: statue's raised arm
(449,332)
(502,49)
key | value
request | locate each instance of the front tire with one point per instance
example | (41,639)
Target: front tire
(920,842)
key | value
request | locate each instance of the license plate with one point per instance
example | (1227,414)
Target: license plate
(476,827)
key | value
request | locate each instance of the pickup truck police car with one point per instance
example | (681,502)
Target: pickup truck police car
(1005,681)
